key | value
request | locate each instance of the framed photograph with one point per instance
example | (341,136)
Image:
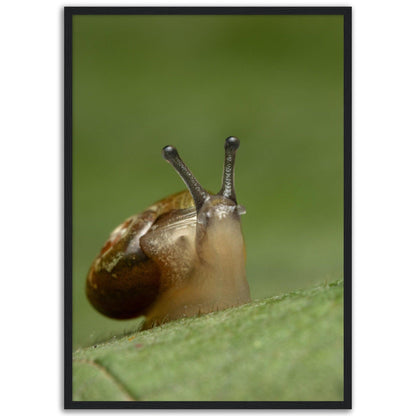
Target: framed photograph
(207,207)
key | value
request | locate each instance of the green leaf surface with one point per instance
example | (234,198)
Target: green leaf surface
(285,348)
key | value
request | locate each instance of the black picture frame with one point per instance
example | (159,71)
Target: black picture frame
(69,13)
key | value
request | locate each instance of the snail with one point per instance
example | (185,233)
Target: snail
(183,256)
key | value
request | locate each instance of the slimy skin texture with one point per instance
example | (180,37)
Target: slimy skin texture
(204,265)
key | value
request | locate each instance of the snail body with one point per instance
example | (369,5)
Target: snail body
(182,256)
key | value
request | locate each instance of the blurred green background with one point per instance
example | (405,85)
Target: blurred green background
(276,82)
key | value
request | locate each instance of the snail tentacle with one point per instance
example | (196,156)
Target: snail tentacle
(199,194)
(228,189)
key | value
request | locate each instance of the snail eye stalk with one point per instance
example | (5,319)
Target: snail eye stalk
(228,189)
(199,194)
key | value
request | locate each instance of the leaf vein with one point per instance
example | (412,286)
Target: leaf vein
(106,372)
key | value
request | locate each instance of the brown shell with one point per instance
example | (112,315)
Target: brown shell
(123,282)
